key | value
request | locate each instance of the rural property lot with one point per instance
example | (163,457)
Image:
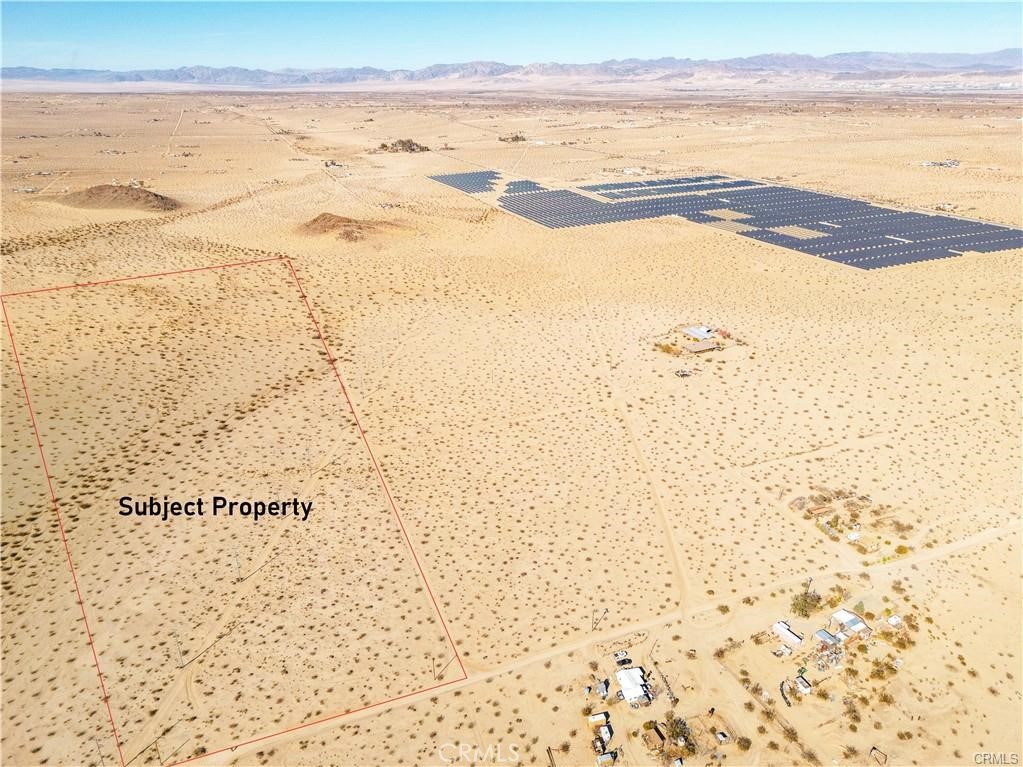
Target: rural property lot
(206,631)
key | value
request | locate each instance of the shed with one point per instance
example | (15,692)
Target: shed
(653,738)
(605,733)
(600,718)
(803,686)
(827,637)
(606,760)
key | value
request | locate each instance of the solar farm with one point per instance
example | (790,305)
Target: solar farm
(839,229)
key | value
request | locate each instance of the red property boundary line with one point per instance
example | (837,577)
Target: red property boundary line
(4,297)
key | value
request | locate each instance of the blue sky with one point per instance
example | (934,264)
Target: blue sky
(275,35)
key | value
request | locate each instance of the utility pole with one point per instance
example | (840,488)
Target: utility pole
(100,752)
(238,566)
(596,621)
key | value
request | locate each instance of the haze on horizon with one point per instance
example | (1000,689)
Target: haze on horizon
(282,35)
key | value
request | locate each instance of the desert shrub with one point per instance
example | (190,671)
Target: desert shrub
(805,603)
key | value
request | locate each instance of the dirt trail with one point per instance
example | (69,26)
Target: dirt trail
(170,138)
(183,685)
(654,483)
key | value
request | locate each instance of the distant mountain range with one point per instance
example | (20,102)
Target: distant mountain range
(839,65)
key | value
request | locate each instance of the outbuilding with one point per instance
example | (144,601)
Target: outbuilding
(786,634)
(827,637)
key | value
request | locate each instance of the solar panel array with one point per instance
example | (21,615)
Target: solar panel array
(625,194)
(650,183)
(827,226)
(476,182)
(518,187)
(835,228)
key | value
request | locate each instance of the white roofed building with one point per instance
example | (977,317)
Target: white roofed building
(699,332)
(633,684)
(850,622)
(786,634)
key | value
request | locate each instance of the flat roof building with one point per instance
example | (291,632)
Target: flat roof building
(633,684)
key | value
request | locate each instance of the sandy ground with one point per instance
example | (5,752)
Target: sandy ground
(567,495)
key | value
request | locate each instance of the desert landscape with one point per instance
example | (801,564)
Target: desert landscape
(528,476)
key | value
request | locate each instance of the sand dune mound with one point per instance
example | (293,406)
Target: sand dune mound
(111,196)
(342,226)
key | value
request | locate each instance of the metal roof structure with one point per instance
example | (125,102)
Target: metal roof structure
(850,621)
(786,634)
